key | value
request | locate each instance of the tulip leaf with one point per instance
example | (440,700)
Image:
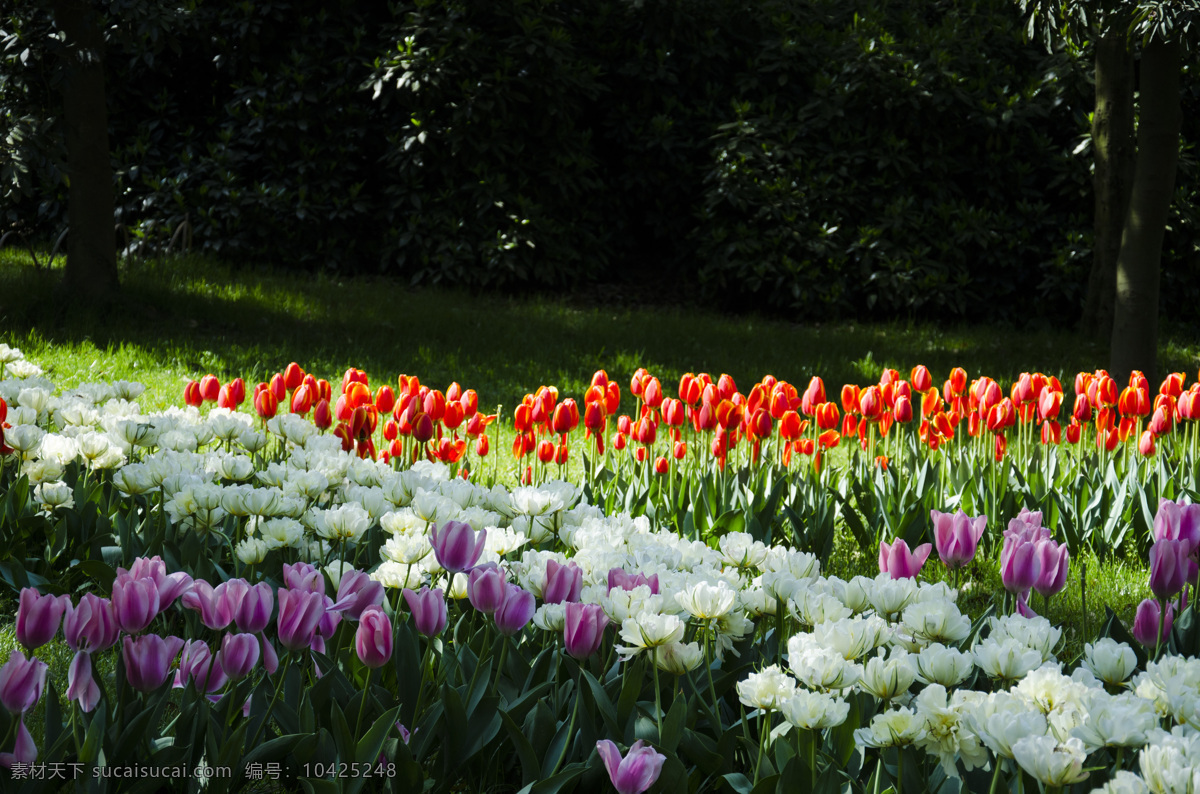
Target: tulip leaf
(539,727)
(558,747)
(673,725)
(371,742)
(603,704)
(739,782)
(520,707)
(565,779)
(530,768)
(631,688)
(342,737)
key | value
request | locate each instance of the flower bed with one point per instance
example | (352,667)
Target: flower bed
(257,596)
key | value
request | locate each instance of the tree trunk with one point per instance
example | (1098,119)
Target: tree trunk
(91,272)
(1114,156)
(1135,313)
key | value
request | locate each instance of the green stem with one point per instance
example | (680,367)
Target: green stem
(271,706)
(571,726)
(424,674)
(899,770)
(812,757)
(363,709)
(503,657)
(712,688)
(1162,619)
(487,638)
(762,745)
(657,696)
(995,787)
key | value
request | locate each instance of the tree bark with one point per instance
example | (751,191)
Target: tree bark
(1135,313)
(91,272)
(1114,156)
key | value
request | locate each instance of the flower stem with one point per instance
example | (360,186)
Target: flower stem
(762,745)
(657,695)
(363,709)
(995,787)
(270,707)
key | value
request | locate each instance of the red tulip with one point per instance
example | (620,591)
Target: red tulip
(922,381)
(1146,444)
(293,376)
(903,410)
(323,416)
(191,395)
(265,404)
(210,388)
(870,403)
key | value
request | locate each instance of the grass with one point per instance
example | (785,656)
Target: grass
(183,318)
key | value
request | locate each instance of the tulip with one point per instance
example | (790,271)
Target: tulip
(170,586)
(238,655)
(957,537)
(356,592)
(38,617)
(24,749)
(81,685)
(1020,566)
(373,640)
(1178,521)
(637,771)
(254,609)
(903,410)
(618,577)
(583,631)
(1168,567)
(92,625)
(210,388)
(148,660)
(516,611)
(899,562)
(326,626)
(1146,623)
(191,394)
(303,576)
(457,546)
(21,682)
(196,666)
(563,582)
(135,603)
(299,614)
(1054,560)
(214,604)
(486,588)
(428,609)
(1146,444)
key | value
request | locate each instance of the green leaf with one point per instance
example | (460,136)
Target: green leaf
(530,768)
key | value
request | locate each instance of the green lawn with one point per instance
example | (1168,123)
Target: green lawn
(184,318)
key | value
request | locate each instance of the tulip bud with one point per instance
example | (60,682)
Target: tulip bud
(210,388)
(583,631)
(191,394)
(1148,628)
(428,609)
(373,640)
(516,611)
(266,404)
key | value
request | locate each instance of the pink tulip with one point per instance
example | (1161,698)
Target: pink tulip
(584,629)
(1023,608)
(1146,623)
(1177,521)
(373,640)
(1027,526)
(196,666)
(898,562)
(300,612)
(637,771)
(1019,564)
(81,685)
(957,537)
(617,577)
(148,660)
(215,604)
(24,749)
(238,655)
(302,576)
(457,546)
(1168,567)
(486,588)
(516,611)
(563,582)
(356,591)
(1054,560)
(170,586)
(92,625)
(135,603)
(38,617)
(254,610)
(326,626)
(428,609)
(21,682)
(269,657)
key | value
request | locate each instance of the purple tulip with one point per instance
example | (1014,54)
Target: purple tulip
(563,582)
(81,686)
(148,660)
(898,562)
(1023,608)
(170,586)
(269,657)
(637,771)
(24,750)
(196,666)
(356,591)
(957,537)
(1146,623)
(238,655)
(457,546)
(302,576)
(21,682)
(254,610)
(1027,526)
(326,626)
(92,625)
(215,604)
(428,609)
(373,640)
(584,629)
(516,611)
(1054,560)
(38,617)
(300,612)
(1168,567)
(1178,521)
(486,588)
(135,603)
(617,577)
(1019,564)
